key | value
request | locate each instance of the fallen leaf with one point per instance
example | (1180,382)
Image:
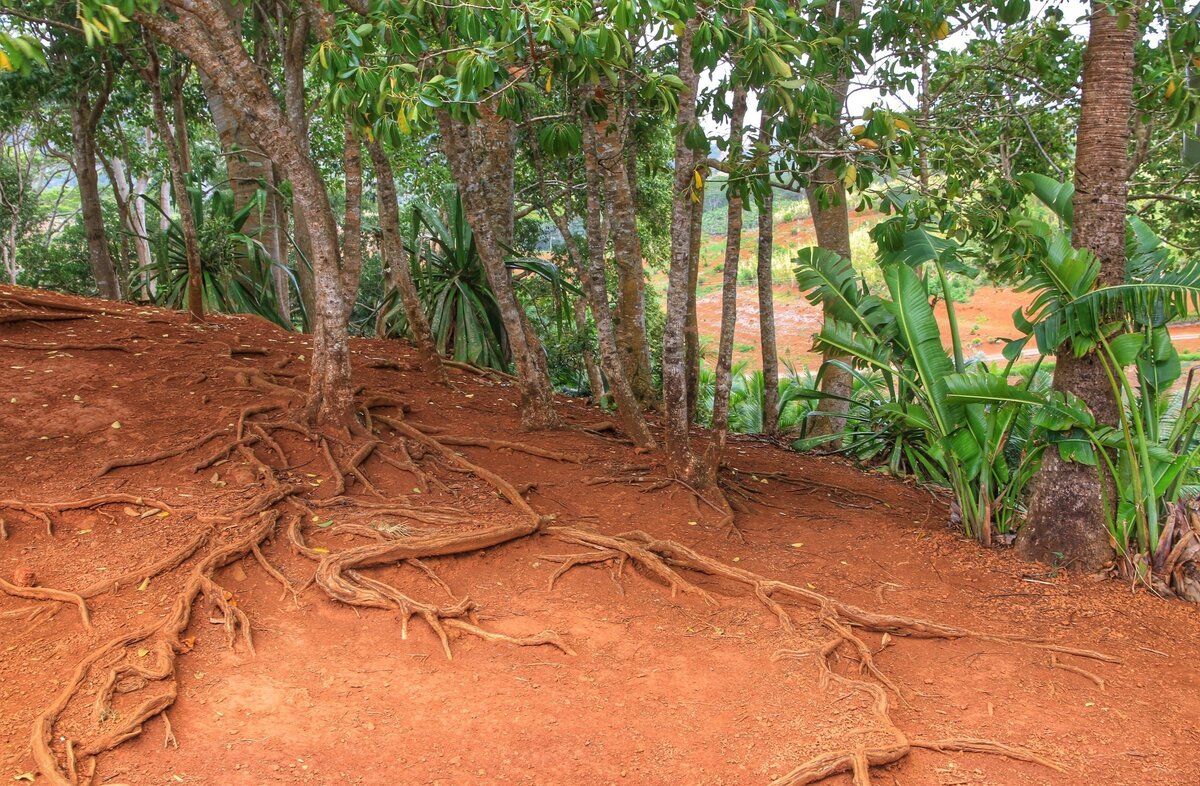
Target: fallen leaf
(797,545)
(116,424)
(320,550)
(323,524)
(133,512)
(145,583)
(691,523)
(82,531)
(143,652)
(148,513)
(25,776)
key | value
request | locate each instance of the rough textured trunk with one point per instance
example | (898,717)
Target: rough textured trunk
(352,239)
(827,200)
(595,380)
(831,220)
(203,34)
(733,255)
(612,138)
(766,300)
(1066,520)
(395,264)
(629,407)
(681,459)
(85,116)
(294,49)
(692,328)
(481,157)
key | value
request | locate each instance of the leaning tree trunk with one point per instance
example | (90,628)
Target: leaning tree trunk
(766,298)
(681,459)
(729,282)
(827,200)
(481,158)
(85,116)
(202,34)
(395,264)
(1066,519)
(612,138)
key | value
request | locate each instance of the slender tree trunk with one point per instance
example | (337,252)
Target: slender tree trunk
(395,264)
(681,459)
(1066,519)
(294,59)
(85,116)
(133,215)
(629,407)
(481,158)
(612,137)
(202,33)
(729,282)
(187,221)
(352,239)
(766,298)
(595,380)
(692,330)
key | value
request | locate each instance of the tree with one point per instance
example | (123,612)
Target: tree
(1067,509)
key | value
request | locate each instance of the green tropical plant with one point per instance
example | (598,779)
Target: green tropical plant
(237,270)
(451,280)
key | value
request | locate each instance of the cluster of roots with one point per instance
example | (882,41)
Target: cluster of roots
(140,666)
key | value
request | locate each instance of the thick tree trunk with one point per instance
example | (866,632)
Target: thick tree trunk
(629,407)
(481,157)
(766,300)
(827,200)
(681,459)
(395,264)
(612,137)
(85,116)
(1066,519)
(831,220)
(729,282)
(203,34)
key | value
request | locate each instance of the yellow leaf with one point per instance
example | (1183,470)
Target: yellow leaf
(858,130)
(697,180)
(869,144)
(116,424)
(797,545)
(901,123)
(25,776)
(320,550)
(851,176)
(82,532)
(6,65)
(143,652)
(144,585)
(942,31)
(1170,88)
(549,81)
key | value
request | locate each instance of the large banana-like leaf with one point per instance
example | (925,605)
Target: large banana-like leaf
(988,389)
(828,279)
(918,329)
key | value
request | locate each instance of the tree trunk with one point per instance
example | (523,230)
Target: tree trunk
(294,61)
(766,299)
(729,282)
(397,272)
(827,200)
(692,329)
(481,158)
(681,460)
(128,198)
(85,116)
(629,406)
(1066,519)
(352,240)
(202,33)
(612,136)
(187,221)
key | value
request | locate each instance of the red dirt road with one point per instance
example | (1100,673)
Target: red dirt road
(661,690)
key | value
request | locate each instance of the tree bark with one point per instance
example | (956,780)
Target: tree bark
(681,459)
(629,406)
(481,156)
(729,282)
(612,138)
(294,51)
(692,330)
(766,297)
(85,117)
(398,274)
(352,240)
(827,200)
(203,34)
(1066,518)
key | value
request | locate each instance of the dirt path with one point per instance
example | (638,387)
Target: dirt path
(660,690)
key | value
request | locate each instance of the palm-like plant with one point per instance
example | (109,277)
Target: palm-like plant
(236,268)
(449,275)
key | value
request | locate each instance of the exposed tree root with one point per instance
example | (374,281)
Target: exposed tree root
(162,455)
(62,347)
(11,316)
(42,510)
(46,593)
(35,301)
(519,447)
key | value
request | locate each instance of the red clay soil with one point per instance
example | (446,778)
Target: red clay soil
(660,690)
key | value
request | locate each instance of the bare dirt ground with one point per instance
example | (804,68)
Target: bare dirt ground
(706,687)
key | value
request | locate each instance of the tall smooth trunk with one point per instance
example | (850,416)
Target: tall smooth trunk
(398,274)
(729,282)
(766,314)
(692,329)
(1066,518)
